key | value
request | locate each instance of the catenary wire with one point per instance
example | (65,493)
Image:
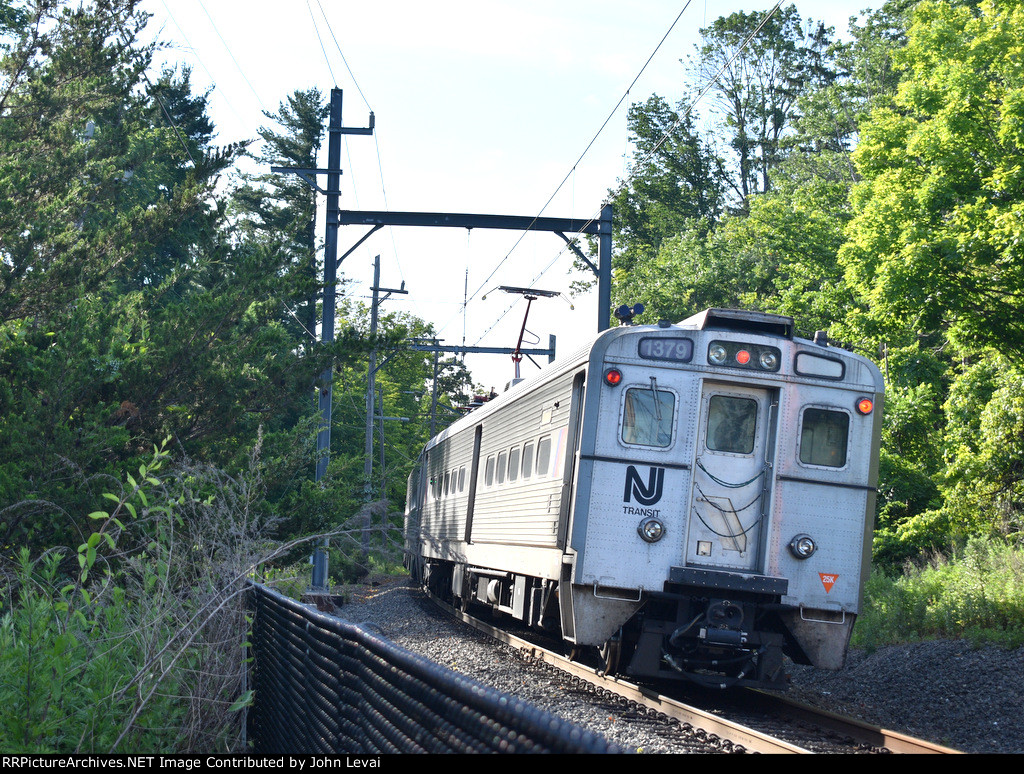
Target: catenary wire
(199,59)
(587,149)
(232,55)
(657,146)
(376,139)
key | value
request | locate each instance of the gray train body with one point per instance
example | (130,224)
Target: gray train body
(689,501)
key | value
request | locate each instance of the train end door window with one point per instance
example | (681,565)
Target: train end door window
(732,424)
(647,417)
(824,435)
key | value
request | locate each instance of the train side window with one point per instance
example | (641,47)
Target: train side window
(647,417)
(513,464)
(528,460)
(732,424)
(489,471)
(502,466)
(823,437)
(543,456)
(462,479)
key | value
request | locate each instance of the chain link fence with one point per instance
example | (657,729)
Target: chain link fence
(326,686)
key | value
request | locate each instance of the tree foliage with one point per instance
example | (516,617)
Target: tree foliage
(758,65)
(141,298)
(935,242)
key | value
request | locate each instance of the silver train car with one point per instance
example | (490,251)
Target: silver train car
(686,501)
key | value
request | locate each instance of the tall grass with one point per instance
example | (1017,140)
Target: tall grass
(976,593)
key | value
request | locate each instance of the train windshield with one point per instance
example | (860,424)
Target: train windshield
(647,417)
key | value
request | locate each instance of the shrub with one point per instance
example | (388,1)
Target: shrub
(978,594)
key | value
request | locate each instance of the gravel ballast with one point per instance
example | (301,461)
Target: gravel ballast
(945,691)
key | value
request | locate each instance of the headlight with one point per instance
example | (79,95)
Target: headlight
(651,530)
(802,546)
(769,360)
(717,354)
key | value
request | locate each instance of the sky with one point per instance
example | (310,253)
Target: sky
(502,107)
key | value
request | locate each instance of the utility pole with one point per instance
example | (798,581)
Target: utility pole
(371,394)
(433,395)
(324,385)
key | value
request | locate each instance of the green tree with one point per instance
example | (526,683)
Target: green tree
(127,310)
(13,17)
(283,206)
(935,240)
(73,225)
(758,65)
(983,482)
(673,179)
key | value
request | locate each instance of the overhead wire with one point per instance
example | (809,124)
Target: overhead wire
(320,40)
(376,139)
(232,55)
(199,59)
(657,146)
(343,59)
(586,150)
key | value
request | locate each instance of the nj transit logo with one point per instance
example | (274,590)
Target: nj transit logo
(645,493)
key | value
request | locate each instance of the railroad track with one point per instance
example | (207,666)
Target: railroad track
(825,731)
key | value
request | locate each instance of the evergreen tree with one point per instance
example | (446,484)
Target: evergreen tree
(282,207)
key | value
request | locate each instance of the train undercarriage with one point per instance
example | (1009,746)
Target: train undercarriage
(686,633)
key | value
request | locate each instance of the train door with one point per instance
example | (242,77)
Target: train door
(572,458)
(730,499)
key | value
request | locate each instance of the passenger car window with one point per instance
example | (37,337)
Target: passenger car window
(732,424)
(502,466)
(489,471)
(647,417)
(528,460)
(823,437)
(513,464)
(543,456)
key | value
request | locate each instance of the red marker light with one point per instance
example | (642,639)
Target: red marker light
(743,357)
(612,377)
(865,405)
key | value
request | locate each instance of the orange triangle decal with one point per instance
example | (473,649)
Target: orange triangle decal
(827,580)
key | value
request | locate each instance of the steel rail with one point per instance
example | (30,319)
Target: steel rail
(865,733)
(748,738)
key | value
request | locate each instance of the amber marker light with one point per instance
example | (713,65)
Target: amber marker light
(865,405)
